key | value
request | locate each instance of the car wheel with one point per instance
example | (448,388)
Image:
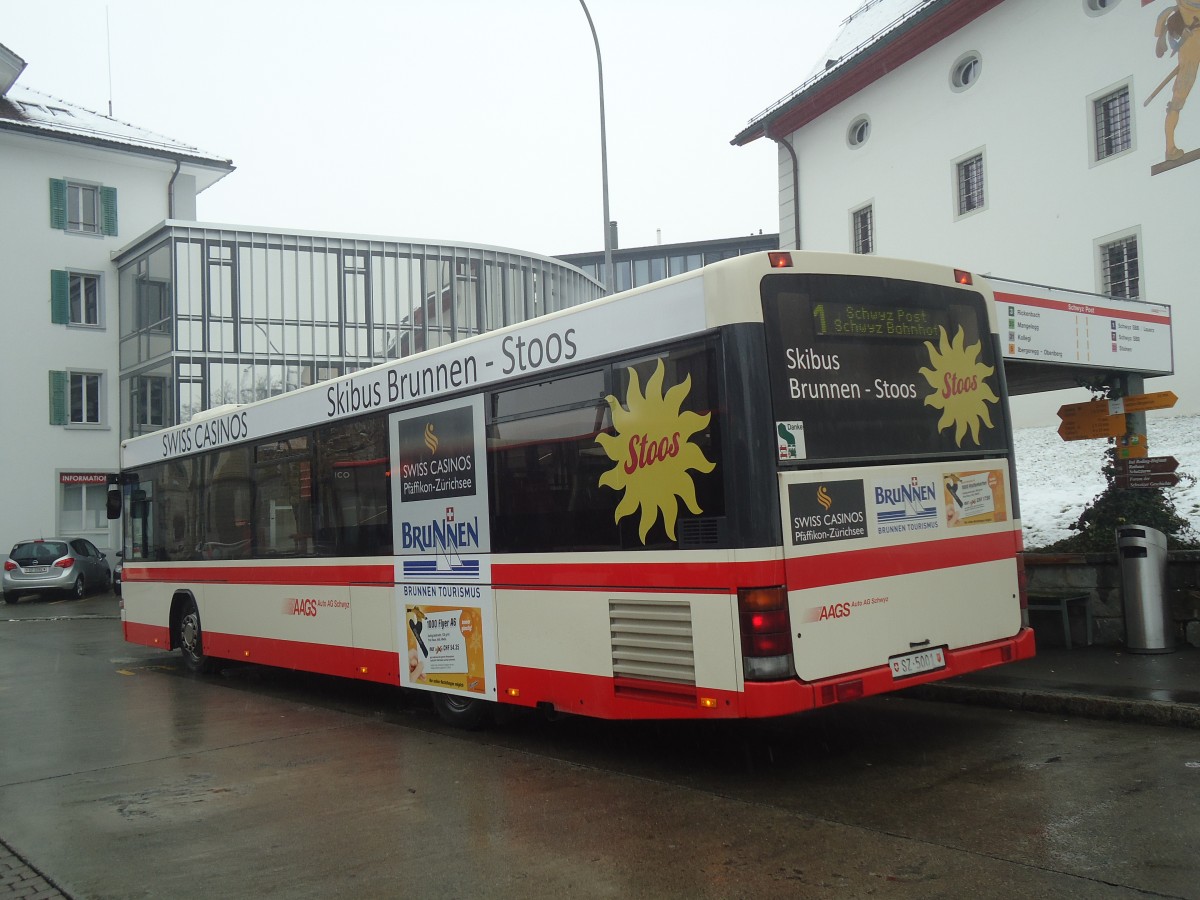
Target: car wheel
(79,589)
(191,640)
(12,597)
(462,712)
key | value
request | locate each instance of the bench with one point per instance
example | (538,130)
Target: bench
(1061,604)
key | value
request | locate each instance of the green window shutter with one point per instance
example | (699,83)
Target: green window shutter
(58,203)
(60,297)
(58,398)
(108,210)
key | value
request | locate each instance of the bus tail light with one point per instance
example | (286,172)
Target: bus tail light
(961,276)
(780,259)
(766,633)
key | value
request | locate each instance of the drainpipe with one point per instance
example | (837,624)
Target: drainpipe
(171,192)
(787,145)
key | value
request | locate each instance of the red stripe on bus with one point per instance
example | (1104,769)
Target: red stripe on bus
(598,695)
(148,635)
(900,559)
(799,572)
(324,659)
(609,698)
(216,573)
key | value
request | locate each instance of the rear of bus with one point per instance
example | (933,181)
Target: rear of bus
(900,531)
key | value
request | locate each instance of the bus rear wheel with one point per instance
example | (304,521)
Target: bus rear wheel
(191,639)
(462,712)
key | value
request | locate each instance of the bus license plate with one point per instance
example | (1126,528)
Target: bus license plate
(916,663)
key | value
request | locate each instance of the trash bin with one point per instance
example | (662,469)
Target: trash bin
(1142,557)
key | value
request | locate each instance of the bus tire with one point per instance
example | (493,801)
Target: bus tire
(191,639)
(462,712)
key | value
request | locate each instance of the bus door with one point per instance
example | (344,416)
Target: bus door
(445,607)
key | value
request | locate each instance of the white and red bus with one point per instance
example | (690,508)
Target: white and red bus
(775,483)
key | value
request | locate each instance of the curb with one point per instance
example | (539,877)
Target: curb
(1090,706)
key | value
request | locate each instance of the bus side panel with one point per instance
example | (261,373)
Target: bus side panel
(612,653)
(145,609)
(887,562)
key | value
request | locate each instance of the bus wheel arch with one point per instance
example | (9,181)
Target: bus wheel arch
(462,712)
(187,633)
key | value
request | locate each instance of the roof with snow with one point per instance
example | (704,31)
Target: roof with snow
(876,39)
(23,109)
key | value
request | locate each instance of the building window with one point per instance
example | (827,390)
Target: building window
(153,305)
(74,298)
(1112,123)
(84,299)
(858,132)
(965,71)
(76,398)
(149,401)
(862,227)
(1120,267)
(85,398)
(81,208)
(968,176)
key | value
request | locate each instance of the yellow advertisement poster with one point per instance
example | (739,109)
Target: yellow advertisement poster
(445,647)
(974,498)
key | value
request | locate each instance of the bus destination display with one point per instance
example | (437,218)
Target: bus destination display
(858,320)
(879,367)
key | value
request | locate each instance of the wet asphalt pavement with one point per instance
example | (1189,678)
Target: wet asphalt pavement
(121,776)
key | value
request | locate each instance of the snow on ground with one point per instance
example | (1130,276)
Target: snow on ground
(1057,478)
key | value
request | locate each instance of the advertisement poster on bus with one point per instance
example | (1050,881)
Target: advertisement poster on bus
(445,604)
(445,648)
(974,498)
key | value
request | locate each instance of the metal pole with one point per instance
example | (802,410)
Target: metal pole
(608,268)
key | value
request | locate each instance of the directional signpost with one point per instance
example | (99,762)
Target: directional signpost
(1140,402)
(1150,472)
(1081,421)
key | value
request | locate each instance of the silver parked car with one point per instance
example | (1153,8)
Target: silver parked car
(55,565)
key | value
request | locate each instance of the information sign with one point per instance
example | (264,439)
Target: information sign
(1049,325)
(1143,402)
(1150,465)
(1142,482)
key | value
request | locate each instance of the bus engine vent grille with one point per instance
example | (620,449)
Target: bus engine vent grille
(652,641)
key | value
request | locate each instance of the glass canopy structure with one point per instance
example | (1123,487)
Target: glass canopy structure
(212,315)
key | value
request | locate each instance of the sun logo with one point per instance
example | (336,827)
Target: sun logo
(959,388)
(652,453)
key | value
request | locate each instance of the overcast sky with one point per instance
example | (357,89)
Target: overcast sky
(462,120)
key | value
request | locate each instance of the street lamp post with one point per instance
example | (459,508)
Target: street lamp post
(608,269)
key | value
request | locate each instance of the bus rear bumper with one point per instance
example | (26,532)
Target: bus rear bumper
(782,698)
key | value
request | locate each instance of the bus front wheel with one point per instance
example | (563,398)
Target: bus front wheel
(191,639)
(462,712)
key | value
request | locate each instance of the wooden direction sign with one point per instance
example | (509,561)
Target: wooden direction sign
(1093,409)
(1143,402)
(1080,428)
(1141,482)
(1150,465)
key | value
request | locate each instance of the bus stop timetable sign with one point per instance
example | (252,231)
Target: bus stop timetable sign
(1040,324)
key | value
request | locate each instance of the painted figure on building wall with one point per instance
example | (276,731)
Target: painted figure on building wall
(1178,30)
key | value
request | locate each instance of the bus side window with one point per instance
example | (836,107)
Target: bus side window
(352,515)
(544,467)
(283,497)
(228,508)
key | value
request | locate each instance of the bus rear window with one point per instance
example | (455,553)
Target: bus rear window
(877,368)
